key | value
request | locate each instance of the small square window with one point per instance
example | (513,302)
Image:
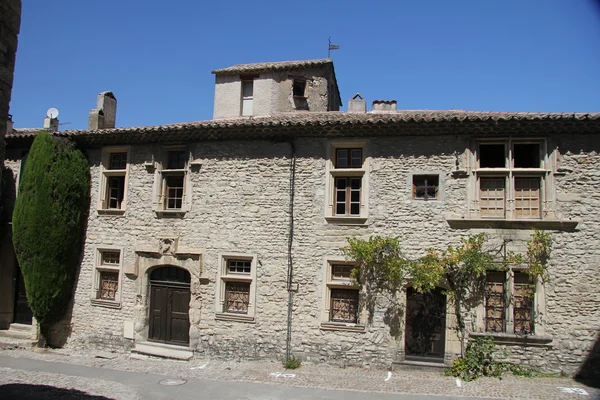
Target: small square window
(177,159)
(118,161)
(239,266)
(426,187)
(341,271)
(348,158)
(492,156)
(299,88)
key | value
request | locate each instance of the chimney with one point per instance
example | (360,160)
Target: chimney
(357,104)
(105,114)
(51,124)
(384,106)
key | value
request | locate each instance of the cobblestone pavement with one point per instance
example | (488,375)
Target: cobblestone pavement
(309,375)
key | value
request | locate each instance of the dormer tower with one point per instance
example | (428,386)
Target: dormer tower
(260,89)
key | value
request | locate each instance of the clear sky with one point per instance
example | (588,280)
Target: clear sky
(157,56)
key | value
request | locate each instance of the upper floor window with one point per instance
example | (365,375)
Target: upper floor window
(173,182)
(247,97)
(299,88)
(511,176)
(113,186)
(347,182)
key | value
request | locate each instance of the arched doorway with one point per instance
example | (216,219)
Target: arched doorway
(425,324)
(169,305)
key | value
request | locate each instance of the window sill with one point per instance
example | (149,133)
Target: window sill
(234,318)
(170,213)
(340,326)
(343,220)
(555,224)
(111,211)
(106,303)
(513,339)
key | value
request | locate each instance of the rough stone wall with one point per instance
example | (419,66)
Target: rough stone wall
(240,204)
(10,23)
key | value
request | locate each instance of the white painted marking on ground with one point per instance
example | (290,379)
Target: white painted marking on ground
(458,382)
(279,374)
(200,366)
(573,390)
(389,376)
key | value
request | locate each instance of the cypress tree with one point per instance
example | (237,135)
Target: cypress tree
(48,224)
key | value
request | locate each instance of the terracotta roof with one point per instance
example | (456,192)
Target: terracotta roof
(271,66)
(338,124)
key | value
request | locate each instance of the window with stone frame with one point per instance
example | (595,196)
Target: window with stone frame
(509,303)
(347,182)
(173,182)
(106,288)
(425,187)
(342,296)
(236,288)
(247,106)
(511,176)
(113,186)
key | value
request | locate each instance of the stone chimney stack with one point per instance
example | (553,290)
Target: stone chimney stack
(357,104)
(385,106)
(104,115)
(51,124)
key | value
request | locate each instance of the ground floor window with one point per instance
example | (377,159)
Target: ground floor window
(106,289)
(509,302)
(236,289)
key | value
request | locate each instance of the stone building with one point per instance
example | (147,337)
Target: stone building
(10,23)
(222,238)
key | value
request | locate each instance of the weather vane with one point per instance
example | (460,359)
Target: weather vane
(332,47)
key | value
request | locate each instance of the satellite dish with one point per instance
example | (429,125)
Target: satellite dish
(52,113)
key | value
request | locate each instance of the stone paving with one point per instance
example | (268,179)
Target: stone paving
(319,376)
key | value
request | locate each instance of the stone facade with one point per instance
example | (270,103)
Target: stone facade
(239,182)
(10,23)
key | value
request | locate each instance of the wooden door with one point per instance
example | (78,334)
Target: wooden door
(425,323)
(169,306)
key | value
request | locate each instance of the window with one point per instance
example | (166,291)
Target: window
(173,191)
(347,182)
(425,187)
(341,297)
(114,180)
(106,289)
(237,287)
(509,303)
(299,88)
(247,97)
(510,179)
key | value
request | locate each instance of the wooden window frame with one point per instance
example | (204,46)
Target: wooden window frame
(162,191)
(335,172)
(224,276)
(244,112)
(511,176)
(108,173)
(100,267)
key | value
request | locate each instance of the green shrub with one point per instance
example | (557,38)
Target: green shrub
(48,220)
(292,363)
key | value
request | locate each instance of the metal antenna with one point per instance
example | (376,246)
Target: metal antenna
(332,47)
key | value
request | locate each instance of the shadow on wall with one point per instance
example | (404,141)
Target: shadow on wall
(38,392)
(9,194)
(589,373)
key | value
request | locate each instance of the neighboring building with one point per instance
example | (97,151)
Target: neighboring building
(200,233)
(10,23)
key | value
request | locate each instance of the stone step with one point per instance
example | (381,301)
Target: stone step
(16,334)
(418,365)
(20,327)
(15,340)
(163,350)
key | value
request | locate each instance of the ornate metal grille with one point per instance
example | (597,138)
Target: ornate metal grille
(523,304)
(237,297)
(109,284)
(425,187)
(494,302)
(344,305)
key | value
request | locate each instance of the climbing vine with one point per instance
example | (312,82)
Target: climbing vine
(382,268)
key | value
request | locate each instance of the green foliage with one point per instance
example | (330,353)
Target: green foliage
(539,249)
(479,361)
(292,363)
(379,260)
(48,222)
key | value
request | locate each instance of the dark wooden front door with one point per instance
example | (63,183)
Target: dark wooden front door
(22,312)
(425,324)
(169,306)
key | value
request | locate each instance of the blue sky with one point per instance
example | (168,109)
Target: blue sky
(157,56)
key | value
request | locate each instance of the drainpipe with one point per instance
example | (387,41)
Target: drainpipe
(290,270)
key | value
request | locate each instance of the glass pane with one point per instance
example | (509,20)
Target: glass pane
(110,258)
(239,266)
(237,297)
(348,158)
(344,305)
(341,158)
(425,187)
(341,271)
(247,89)
(177,159)
(118,161)
(526,155)
(356,158)
(115,192)
(492,156)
